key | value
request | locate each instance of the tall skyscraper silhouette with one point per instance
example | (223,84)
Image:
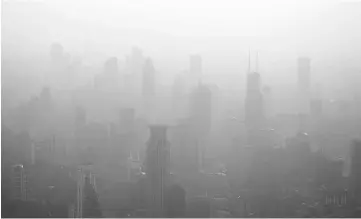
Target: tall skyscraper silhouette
(157,169)
(254,114)
(356,171)
(254,101)
(201,115)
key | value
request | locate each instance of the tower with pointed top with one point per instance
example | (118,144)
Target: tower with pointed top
(254,115)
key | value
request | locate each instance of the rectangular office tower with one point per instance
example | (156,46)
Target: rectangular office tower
(304,84)
(157,169)
(254,114)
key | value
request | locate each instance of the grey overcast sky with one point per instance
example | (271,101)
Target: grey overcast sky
(199,17)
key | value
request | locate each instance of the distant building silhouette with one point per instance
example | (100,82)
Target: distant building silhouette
(356,171)
(199,207)
(268,102)
(175,202)
(149,82)
(254,116)
(157,169)
(109,79)
(136,60)
(201,115)
(185,147)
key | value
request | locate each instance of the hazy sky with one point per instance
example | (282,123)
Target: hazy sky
(326,30)
(200,17)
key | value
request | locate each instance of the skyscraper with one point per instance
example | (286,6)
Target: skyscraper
(356,171)
(148,87)
(201,115)
(268,102)
(157,169)
(254,101)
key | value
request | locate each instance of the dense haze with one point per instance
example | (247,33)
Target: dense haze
(327,31)
(261,100)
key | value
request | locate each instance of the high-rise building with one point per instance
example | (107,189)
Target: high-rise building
(356,171)
(184,147)
(268,102)
(254,115)
(157,169)
(201,115)
(19,183)
(201,109)
(148,87)
(304,84)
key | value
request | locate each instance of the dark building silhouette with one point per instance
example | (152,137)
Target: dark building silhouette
(356,172)
(201,109)
(148,87)
(268,102)
(199,207)
(91,208)
(175,202)
(254,102)
(157,169)
(109,79)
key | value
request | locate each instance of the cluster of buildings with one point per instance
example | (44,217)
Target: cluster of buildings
(169,162)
